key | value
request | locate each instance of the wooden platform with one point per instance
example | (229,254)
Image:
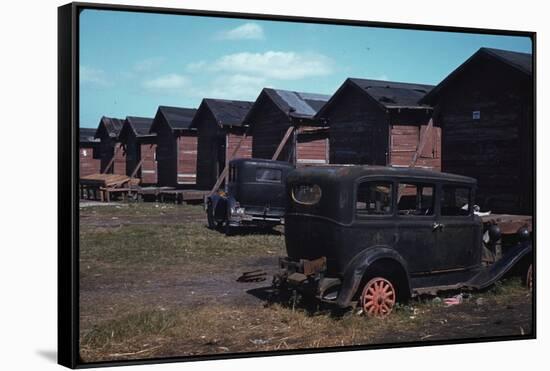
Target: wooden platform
(509,224)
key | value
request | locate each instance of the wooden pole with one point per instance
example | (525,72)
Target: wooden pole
(223,175)
(138,166)
(422,142)
(111,161)
(283,142)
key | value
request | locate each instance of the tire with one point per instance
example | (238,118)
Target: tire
(378,297)
(210,216)
(529,277)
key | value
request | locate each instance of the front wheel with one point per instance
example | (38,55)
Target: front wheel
(378,297)
(210,216)
(529,277)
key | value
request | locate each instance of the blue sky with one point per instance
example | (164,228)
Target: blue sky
(130,63)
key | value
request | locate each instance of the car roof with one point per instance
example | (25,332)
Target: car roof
(260,162)
(347,173)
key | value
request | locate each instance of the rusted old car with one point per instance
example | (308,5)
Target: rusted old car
(371,236)
(254,195)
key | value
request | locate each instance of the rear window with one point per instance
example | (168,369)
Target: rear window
(455,201)
(374,198)
(269,175)
(306,194)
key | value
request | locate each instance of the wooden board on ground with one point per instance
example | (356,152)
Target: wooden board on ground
(106,180)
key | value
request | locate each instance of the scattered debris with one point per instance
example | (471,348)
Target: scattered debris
(455,300)
(480,301)
(226,349)
(257,275)
(436,300)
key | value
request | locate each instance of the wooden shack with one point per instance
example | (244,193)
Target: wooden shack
(271,116)
(176,151)
(377,122)
(485,108)
(89,162)
(111,154)
(140,146)
(220,131)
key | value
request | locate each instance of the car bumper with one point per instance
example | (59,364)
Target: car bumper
(308,277)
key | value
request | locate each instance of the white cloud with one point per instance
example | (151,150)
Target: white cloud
(171,81)
(93,76)
(235,87)
(147,64)
(247,31)
(277,65)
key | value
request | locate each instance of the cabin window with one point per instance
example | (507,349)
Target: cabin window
(306,194)
(415,199)
(455,201)
(269,175)
(374,198)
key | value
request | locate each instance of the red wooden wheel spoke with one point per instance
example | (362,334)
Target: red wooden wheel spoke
(378,297)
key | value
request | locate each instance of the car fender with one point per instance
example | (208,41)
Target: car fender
(356,268)
(219,205)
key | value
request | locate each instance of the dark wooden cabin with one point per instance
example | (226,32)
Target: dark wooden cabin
(140,146)
(377,122)
(111,154)
(219,125)
(176,146)
(273,112)
(485,108)
(88,152)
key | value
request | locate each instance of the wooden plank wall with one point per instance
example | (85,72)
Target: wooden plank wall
(149,166)
(493,149)
(268,127)
(312,152)
(404,140)
(358,132)
(87,163)
(187,159)
(244,151)
(208,158)
(166,157)
(119,166)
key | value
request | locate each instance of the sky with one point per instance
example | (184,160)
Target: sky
(130,63)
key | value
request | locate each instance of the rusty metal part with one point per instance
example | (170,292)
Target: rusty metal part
(257,275)
(296,278)
(378,298)
(314,266)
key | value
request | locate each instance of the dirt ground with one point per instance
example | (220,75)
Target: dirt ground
(155,282)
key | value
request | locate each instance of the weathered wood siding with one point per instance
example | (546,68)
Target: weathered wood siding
(358,131)
(269,125)
(210,159)
(187,159)
(404,142)
(497,148)
(87,163)
(314,151)
(148,172)
(245,149)
(166,157)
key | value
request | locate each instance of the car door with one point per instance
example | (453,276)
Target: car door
(415,220)
(458,229)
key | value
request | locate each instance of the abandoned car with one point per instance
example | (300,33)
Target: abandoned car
(254,195)
(369,236)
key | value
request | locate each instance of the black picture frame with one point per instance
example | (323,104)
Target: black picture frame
(68,191)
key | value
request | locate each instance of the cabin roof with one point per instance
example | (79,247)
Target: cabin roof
(178,118)
(140,126)
(387,94)
(227,112)
(522,62)
(297,104)
(110,126)
(86,135)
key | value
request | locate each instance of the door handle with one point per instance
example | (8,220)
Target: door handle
(437,226)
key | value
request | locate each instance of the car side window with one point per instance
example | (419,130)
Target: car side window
(415,199)
(374,198)
(269,175)
(455,201)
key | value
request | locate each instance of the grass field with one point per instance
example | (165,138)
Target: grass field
(155,282)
